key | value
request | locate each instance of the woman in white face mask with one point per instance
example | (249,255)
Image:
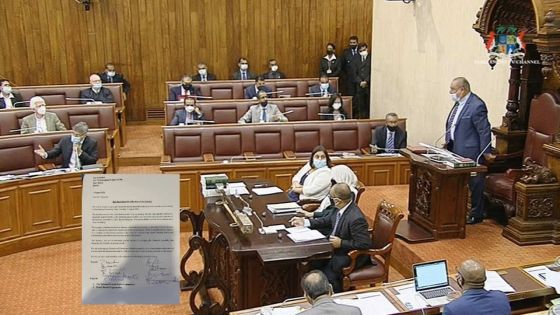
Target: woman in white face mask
(190,114)
(313,180)
(335,110)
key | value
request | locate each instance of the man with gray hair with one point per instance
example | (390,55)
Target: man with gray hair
(317,291)
(97,93)
(77,149)
(41,120)
(471,276)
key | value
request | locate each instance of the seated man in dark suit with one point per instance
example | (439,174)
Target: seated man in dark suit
(349,231)
(203,74)
(251,92)
(318,291)
(97,93)
(77,150)
(179,93)
(187,115)
(112,76)
(390,138)
(243,73)
(273,73)
(471,276)
(9,98)
(324,88)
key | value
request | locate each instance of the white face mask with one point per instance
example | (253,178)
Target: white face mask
(324,86)
(7,89)
(41,110)
(97,86)
(244,67)
(111,73)
(336,105)
(455,98)
(202,71)
(274,68)
(363,53)
(189,108)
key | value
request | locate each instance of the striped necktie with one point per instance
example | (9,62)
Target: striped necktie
(391,142)
(450,122)
(243,75)
(338,216)
(263,115)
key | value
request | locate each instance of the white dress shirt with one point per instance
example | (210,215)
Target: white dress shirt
(462,103)
(340,212)
(40,125)
(8,100)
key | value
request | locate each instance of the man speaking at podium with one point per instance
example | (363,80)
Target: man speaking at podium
(467,133)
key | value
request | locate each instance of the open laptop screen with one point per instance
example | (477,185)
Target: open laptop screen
(430,275)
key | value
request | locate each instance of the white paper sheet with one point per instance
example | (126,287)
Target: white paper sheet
(292,310)
(283,207)
(553,279)
(130,239)
(495,282)
(297,229)
(273,228)
(408,296)
(267,191)
(310,235)
(537,272)
(373,305)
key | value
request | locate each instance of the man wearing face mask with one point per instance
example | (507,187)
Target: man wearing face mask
(97,93)
(390,138)
(323,89)
(330,66)
(203,74)
(77,150)
(188,115)
(9,98)
(252,91)
(347,75)
(467,133)
(471,276)
(263,112)
(243,73)
(186,89)
(362,78)
(273,73)
(318,292)
(110,75)
(40,121)
(349,231)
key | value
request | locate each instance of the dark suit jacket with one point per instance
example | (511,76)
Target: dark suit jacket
(118,78)
(175,92)
(251,91)
(336,67)
(315,90)
(352,230)
(347,60)
(237,75)
(181,115)
(17,98)
(274,75)
(479,301)
(381,138)
(209,77)
(104,95)
(65,147)
(472,132)
(361,70)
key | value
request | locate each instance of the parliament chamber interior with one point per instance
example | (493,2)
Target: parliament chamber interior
(280,157)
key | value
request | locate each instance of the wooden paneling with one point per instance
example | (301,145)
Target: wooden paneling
(72,202)
(58,42)
(40,207)
(9,225)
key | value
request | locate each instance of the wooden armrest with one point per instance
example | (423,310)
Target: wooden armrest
(208,157)
(310,207)
(46,166)
(514,174)
(308,201)
(166,159)
(367,252)
(290,155)
(509,156)
(103,161)
(250,156)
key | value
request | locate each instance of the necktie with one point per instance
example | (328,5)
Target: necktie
(203,78)
(323,92)
(391,142)
(263,116)
(450,122)
(243,75)
(353,52)
(363,58)
(189,118)
(338,215)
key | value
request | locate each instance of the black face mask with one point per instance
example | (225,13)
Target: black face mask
(187,86)
(392,128)
(330,52)
(353,46)
(263,104)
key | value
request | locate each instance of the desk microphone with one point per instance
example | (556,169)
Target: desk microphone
(287,112)
(318,93)
(80,99)
(276,92)
(387,150)
(442,135)
(20,102)
(330,114)
(242,156)
(22,129)
(481,153)
(201,97)
(201,121)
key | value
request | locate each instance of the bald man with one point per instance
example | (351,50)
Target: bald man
(97,93)
(317,292)
(471,276)
(41,120)
(348,231)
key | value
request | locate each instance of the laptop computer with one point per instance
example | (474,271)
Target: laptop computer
(431,282)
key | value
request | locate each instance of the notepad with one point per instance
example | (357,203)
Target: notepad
(283,207)
(267,191)
(273,228)
(297,229)
(495,282)
(308,236)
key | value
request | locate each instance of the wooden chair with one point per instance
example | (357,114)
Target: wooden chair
(385,225)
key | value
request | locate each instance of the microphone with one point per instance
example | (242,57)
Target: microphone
(197,96)
(374,146)
(200,121)
(481,153)
(20,102)
(287,112)
(274,92)
(334,115)
(443,134)
(22,129)
(81,99)
(318,93)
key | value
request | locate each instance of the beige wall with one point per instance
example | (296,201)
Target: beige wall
(417,50)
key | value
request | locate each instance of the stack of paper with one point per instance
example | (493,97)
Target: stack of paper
(310,235)
(283,207)
(237,189)
(381,305)
(267,191)
(291,310)
(495,282)
(273,228)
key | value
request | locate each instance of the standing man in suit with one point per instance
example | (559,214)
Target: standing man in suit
(263,112)
(471,276)
(273,72)
(362,78)
(348,56)
(467,133)
(349,231)
(243,72)
(9,98)
(77,150)
(112,76)
(390,138)
(330,66)
(252,91)
(41,120)
(203,74)
(186,89)
(317,291)
(96,93)
(186,115)
(323,89)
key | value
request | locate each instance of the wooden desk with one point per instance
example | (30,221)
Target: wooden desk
(40,211)
(255,269)
(530,295)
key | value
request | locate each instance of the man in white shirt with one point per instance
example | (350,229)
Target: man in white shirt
(9,98)
(40,121)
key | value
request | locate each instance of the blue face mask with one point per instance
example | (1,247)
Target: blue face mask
(319,163)
(76,140)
